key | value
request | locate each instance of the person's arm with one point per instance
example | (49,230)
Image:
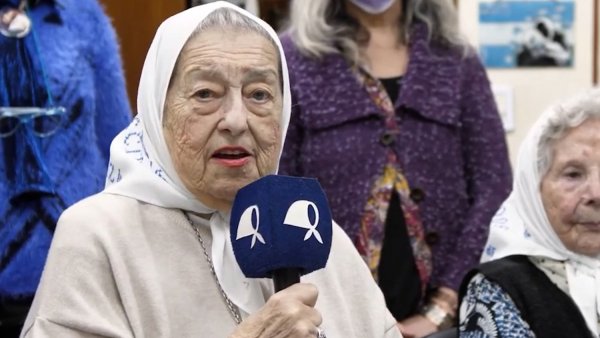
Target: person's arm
(113,111)
(487,170)
(487,311)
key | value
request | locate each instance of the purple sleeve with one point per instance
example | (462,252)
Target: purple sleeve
(487,169)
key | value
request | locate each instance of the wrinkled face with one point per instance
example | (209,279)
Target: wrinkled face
(222,113)
(571,189)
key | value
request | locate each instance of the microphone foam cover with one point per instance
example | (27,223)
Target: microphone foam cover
(281,222)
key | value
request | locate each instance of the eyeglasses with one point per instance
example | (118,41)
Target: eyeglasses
(43,121)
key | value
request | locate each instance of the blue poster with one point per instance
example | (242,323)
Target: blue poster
(526,33)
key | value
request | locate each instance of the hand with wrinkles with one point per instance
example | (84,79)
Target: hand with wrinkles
(289,313)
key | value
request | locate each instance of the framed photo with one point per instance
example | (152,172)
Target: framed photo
(526,33)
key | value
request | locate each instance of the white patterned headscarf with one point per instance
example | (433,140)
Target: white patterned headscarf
(521,226)
(140,165)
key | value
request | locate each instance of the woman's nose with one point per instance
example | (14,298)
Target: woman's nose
(594,189)
(235,119)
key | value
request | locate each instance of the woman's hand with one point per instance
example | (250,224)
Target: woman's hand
(447,299)
(416,326)
(420,326)
(289,313)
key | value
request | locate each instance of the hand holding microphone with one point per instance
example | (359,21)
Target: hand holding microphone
(281,228)
(289,313)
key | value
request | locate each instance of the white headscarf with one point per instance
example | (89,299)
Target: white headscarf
(140,165)
(521,227)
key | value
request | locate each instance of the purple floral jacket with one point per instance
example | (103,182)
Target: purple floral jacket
(451,146)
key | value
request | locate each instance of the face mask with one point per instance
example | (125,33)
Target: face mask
(373,6)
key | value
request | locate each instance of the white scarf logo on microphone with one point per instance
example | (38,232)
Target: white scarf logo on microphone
(249,222)
(298,215)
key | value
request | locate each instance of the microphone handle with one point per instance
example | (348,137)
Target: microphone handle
(282,278)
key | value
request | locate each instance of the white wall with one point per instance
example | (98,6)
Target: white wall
(536,89)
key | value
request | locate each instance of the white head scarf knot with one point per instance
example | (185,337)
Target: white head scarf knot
(140,165)
(521,227)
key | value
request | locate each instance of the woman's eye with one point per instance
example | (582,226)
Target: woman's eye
(204,94)
(261,95)
(572,174)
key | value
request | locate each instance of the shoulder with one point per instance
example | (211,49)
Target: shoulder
(506,265)
(508,272)
(465,58)
(300,63)
(103,219)
(99,207)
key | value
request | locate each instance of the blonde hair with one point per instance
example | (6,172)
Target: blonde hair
(320,27)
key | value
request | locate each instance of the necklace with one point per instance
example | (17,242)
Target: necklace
(233,309)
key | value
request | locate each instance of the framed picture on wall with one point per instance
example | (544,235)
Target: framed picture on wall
(526,33)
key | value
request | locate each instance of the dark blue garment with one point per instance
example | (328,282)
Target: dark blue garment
(79,52)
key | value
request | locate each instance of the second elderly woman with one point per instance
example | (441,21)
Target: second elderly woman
(542,272)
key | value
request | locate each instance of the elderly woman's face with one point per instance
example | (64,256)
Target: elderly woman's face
(222,113)
(571,189)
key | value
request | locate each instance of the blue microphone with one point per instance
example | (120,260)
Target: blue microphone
(281,228)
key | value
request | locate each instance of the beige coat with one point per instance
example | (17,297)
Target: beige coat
(121,268)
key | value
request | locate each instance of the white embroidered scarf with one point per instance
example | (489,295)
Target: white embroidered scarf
(140,165)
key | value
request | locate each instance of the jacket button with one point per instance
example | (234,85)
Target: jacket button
(432,238)
(417,195)
(387,138)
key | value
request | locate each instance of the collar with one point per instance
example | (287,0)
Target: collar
(431,83)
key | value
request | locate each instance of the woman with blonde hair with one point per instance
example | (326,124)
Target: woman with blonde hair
(393,113)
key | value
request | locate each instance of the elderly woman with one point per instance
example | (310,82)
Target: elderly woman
(150,256)
(394,115)
(543,279)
